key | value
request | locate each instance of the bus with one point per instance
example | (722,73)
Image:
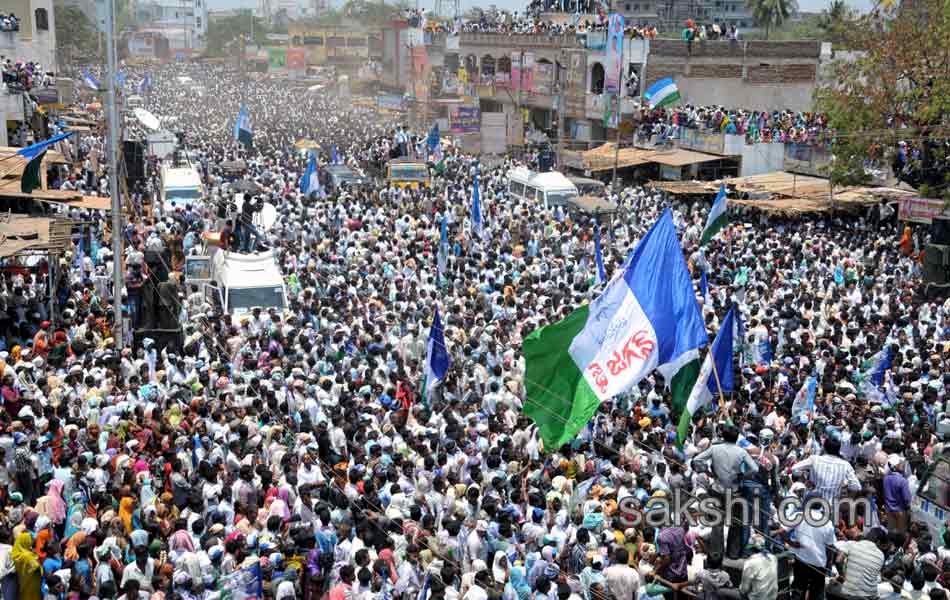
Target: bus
(408,173)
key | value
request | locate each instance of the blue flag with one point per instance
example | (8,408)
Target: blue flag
(433,140)
(873,383)
(477,229)
(120,79)
(598,257)
(91,82)
(30,152)
(704,289)
(81,254)
(195,447)
(310,182)
(443,248)
(242,127)
(715,376)
(805,398)
(437,356)
(145,84)
(333,155)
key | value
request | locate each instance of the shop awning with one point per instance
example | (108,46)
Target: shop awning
(681,158)
(20,234)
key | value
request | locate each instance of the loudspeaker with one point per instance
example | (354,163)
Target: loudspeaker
(940,231)
(937,263)
(133,153)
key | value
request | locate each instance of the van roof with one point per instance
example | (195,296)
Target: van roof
(181,178)
(552,179)
(235,270)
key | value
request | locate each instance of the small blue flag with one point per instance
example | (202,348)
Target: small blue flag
(598,257)
(704,289)
(91,82)
(476,209)
(30,152)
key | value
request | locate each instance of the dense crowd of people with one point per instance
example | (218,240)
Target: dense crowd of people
(291,452)
(789,127)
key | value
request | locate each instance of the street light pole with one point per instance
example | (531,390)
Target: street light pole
(117,333)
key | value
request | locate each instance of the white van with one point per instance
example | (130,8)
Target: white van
(552,189)
(181,188)
(244,281)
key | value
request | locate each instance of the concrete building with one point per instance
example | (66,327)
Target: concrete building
(758,75)
(36,39)
(274,10)
(184,22)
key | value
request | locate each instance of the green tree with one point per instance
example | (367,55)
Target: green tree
(894,87)
(771,14)
(835,20)
(229,31)
(75,33)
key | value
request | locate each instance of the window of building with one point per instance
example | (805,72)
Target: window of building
(42,19)
(313,40)
(627,7)
(597,79)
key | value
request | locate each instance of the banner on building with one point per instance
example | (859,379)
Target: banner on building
(575,88)
(465,119)
(921,210)
(296,59)
(614,64)
(527,72)
(544,78)
(502,79)
(391,102)
(516,71)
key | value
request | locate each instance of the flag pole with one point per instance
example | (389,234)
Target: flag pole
(722,397)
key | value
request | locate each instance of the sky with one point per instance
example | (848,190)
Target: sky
(803,5)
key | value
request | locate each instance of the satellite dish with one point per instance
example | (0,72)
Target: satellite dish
(146,118)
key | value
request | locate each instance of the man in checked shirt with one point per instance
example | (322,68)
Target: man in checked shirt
(829,472)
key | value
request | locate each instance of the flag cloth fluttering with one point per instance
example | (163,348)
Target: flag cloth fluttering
(242,127)
(599,257)
(662,93)
(443,249)
(704,289)
(437,357)
(805,398)
(873,383)
(477,229)
(310,182)
(710,381)
(30,180)
(718,217)
(91,82)
(646,318)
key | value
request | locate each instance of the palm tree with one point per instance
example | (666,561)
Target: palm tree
(772,13)
(835,18)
